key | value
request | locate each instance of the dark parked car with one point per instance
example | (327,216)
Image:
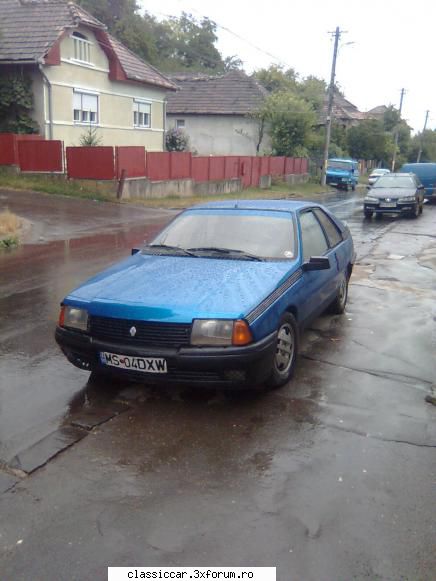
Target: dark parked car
(395,193)
(218,297)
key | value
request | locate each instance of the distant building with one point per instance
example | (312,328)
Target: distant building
(343,113)
(214,111)
(82,77)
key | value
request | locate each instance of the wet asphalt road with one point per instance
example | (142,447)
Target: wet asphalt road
(332,477)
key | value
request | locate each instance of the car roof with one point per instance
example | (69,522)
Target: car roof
(402,175)
(274,205)
(342,159)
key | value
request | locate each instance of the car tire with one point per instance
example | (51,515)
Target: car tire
(337,307)
(285,357)
(368,214)
(415,212)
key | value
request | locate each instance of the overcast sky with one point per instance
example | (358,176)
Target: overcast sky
(394,44)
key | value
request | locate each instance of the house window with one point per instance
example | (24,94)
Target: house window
(141,114)
(180,123)
(82,48)
(85,108)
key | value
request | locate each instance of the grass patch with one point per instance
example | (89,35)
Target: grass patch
(50,185)
(9,242)
(80,189)
(9,223)
(277,191)
(9,227)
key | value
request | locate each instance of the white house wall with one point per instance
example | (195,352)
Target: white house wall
(221,134)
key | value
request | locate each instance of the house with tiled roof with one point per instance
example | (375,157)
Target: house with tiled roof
(344,112)
(216,113)
(81,76)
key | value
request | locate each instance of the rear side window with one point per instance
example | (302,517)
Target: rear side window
(312,235)
(330,228)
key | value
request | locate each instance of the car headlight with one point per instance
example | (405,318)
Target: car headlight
(371,199)
(407,199)
(73,318)
(220,332)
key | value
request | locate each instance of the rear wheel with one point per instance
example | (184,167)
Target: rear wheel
(286,352)
(337,307)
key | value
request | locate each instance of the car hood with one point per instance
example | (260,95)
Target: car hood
(178,289)
(391,192)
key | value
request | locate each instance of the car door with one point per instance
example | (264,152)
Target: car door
(335,240)
(319,285)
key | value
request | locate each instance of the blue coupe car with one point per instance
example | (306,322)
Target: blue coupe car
(219,297)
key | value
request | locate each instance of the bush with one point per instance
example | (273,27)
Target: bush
(176,140)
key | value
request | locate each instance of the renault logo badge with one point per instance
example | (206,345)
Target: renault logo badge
(132,331)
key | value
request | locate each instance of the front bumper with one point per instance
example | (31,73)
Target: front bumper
(250,364)
(406,208)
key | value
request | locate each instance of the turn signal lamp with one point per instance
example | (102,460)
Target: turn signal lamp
(241,333)
(62,316)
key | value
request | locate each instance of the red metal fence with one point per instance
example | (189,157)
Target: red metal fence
(47,156)
(9,146)
(131,160)
(108,163)
(92,163)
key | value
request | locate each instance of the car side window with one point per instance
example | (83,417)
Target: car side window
(333,234)
(312,235)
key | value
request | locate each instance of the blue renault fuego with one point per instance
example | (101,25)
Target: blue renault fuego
(219,297)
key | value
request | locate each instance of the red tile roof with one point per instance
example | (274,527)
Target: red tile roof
(30,28)
(233,93)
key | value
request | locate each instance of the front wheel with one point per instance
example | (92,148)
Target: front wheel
(415,212)
(285,356)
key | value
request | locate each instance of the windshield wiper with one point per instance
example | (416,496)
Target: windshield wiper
(171,249)
(227,252)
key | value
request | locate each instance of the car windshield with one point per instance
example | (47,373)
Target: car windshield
(339,165)
(394,182)
(231,234)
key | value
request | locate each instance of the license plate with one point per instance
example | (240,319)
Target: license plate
(144,364)
(388,204)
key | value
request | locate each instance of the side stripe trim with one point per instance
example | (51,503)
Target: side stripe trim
(261,307)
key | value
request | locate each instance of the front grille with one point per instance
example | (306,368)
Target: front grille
(147,333)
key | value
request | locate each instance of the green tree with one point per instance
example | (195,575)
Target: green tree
(290,120)
(314,91)
(369,140)
(16,103)
(391,118)
(276,79)
(425,140)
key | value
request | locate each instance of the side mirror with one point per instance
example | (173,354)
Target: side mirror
(317,263)
(135,251)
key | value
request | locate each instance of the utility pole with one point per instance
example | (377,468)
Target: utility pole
(418,159)
(328,125)
(394,157)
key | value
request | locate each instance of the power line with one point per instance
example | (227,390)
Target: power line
(235,34)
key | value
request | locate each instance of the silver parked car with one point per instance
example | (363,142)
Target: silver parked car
(376,173)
